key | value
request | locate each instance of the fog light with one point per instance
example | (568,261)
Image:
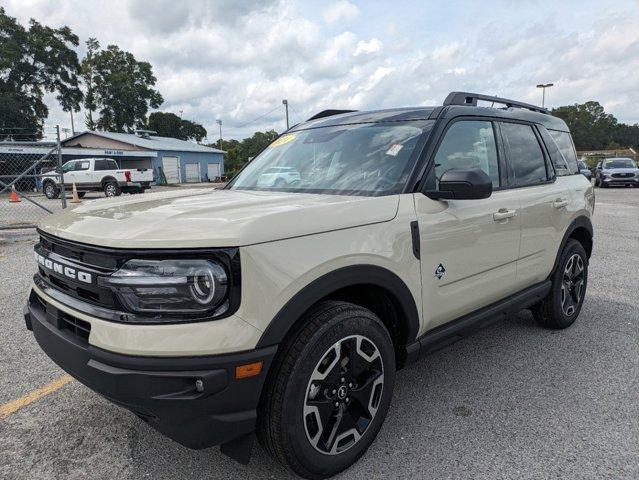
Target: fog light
(199,385)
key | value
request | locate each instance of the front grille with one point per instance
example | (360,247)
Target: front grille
(622,175)
(79,328)
(61,320)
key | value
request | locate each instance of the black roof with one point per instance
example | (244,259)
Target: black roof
(513,111)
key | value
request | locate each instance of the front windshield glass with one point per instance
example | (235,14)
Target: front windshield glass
(619,163)
(358,159)
(67,167)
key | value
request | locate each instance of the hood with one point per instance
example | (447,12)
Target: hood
(213,218)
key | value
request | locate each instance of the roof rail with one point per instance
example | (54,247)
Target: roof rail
(328,113)
(470,99)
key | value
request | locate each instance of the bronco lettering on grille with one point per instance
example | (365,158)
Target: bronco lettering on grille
(70,272)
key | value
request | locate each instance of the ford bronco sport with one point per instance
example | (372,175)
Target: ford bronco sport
(285,309)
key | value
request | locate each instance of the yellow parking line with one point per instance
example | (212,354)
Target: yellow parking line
(13,406)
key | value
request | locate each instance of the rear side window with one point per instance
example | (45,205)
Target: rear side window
(468,144)
(525,154)
(567,148)
(105,165)
(82,165)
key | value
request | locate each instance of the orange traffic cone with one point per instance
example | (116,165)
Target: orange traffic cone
(74,195)
(14,195)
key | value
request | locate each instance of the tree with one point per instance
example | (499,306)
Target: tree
(239,152)
(35,61)
(89,76)
(121,88)
(591,127)
(170,125)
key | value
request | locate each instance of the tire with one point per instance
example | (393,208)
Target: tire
(112,189)
(305,390)
(51,191)
(561,307)
(81,194)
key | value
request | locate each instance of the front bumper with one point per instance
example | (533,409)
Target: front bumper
(160,390)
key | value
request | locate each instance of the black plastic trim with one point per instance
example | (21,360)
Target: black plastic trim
(336,280)
(579,222)
(450,332)
(414,234)
(163,391)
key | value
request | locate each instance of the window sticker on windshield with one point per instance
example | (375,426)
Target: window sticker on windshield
(283,140)
(394,149)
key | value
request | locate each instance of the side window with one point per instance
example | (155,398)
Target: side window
(524,154)
(567,148)
(100,165)
(468,144)
(558,161)
(84,165)
(68,167)
(105,164)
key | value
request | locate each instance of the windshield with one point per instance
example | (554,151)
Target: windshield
(358,159)
(619,163)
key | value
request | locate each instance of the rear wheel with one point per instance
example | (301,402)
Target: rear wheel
(112,189)
(81,194)
(561,307)
(329,391)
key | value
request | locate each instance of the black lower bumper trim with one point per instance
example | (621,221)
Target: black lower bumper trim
(161,390)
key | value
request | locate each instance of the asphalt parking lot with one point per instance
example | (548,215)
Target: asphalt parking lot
(514,401)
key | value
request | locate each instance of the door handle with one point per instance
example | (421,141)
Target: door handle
(560,203)
(504,214)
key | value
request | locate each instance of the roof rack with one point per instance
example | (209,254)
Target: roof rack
(328,113)
(470,99)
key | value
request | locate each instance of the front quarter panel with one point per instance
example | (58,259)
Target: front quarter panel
(273,273)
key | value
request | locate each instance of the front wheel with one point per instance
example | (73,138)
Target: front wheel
(561,307)
(51,191)
(329,391)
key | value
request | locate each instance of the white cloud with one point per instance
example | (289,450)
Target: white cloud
(237,60)
(366,47)
(341,10)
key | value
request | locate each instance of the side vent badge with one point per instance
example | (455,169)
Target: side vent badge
(440,271)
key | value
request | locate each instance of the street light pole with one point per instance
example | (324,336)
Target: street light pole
(219,122)
(543,87)
(285,102)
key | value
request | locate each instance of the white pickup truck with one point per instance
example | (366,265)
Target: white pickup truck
(98,174)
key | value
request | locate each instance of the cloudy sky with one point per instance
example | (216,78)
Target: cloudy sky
(236,60)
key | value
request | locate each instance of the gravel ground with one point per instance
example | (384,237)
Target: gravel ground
(514,401)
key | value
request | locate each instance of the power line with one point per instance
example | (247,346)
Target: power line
(256,119)
(295,112)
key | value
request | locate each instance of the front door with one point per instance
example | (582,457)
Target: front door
(469,248)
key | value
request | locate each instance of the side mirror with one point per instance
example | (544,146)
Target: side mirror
(463,184)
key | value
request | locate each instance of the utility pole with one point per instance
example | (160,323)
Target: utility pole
(543,87)
(181,111)
(219,122)
(72,126)
(285,102)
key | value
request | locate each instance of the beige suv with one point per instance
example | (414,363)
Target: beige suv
(285,309)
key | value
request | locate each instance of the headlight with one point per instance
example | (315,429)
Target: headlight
(161,288)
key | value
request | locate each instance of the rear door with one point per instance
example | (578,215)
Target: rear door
(83,172)
(469,248)
(543,200)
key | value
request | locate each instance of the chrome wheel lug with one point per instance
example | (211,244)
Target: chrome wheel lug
(334,391)
(350,385)
(341,379)
(336,404)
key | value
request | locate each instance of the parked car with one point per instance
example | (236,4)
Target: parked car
(278,177)
(98,174)
(287,310)
(584,170)
(617,172)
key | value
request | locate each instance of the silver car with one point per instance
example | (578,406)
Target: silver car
(617,172)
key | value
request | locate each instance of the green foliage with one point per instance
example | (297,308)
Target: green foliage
(170,125)
(239,152)
(594,129)
(35,61)
(120,88)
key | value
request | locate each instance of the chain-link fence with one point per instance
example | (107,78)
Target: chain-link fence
(31,179)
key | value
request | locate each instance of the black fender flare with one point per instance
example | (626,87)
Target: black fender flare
(331,282)
(579,222)
(108,179)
